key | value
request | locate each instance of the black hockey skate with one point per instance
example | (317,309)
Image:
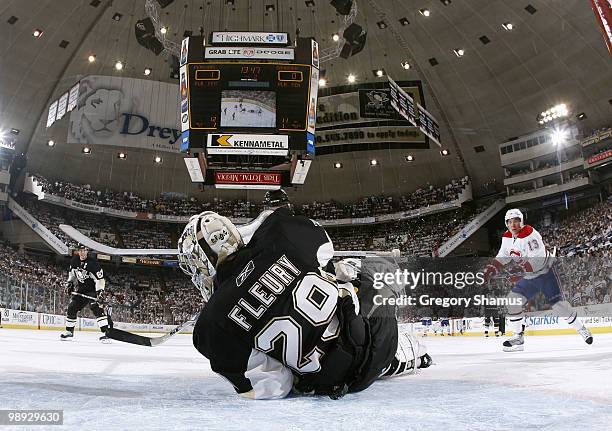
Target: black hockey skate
(105,340)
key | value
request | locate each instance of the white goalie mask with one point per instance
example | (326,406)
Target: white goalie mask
(207,240)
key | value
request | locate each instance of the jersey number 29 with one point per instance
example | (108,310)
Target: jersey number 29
(288,331)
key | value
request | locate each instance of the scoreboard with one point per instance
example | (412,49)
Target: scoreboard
(248,112)
(279,94)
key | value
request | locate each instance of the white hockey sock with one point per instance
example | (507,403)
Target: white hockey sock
(515,324)
(102,321)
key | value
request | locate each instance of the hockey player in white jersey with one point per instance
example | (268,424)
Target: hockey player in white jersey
(523,246)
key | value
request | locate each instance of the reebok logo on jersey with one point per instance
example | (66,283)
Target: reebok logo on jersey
(246,271)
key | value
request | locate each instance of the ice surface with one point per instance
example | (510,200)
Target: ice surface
(557,383)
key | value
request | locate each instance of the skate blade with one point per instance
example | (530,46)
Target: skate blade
(66,339)
(514,348)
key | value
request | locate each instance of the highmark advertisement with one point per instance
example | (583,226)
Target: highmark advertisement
(126,112)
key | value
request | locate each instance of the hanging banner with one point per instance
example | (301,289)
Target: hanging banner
(603,12)
(73,97)
(404,104)
(62,104)
(52,112)
(126,112)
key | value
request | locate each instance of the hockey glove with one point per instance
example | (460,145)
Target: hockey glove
(68,288)
(101,296)
(489,272)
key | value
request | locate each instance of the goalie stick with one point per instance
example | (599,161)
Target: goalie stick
(113,251)
(142,340)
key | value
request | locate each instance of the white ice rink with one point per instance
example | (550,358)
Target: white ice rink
(557,383)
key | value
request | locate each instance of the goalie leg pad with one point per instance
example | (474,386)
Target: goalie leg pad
(411,354)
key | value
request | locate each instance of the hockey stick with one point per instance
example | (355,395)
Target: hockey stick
(113,251)
(101,248)
(129,337)
(93,298)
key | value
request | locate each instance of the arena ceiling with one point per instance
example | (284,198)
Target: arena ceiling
(554,54)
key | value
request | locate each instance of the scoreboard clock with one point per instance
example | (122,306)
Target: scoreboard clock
(229,97)
(248,111)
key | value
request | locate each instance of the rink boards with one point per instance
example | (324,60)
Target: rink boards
(536,324)
(31,320)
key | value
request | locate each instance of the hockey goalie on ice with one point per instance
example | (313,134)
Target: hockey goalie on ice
(276,322)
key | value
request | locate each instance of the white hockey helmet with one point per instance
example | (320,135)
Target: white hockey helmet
(514,213)
(348,270)
(207,240)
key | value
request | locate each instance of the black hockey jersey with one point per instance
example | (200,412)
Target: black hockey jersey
(272,298)
(88,273)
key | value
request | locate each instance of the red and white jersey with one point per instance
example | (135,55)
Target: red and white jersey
(526,249)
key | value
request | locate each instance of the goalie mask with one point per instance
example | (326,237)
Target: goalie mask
(207,240)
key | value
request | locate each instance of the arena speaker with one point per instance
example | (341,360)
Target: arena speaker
(345,52)
(352,32)
(145,35)
(359,43)
(355,40)
(164,3)
(343,7)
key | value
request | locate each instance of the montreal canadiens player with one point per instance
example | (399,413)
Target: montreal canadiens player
(274,321)
(523,246)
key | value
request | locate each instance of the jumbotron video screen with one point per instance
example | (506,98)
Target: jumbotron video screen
(240,96)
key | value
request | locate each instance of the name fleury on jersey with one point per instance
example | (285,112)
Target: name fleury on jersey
(271,283)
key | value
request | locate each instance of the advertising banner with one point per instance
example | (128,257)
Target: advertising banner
(225,52)
(126,112)
(603,12)
(245,37)
(268,145)
(264,180)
